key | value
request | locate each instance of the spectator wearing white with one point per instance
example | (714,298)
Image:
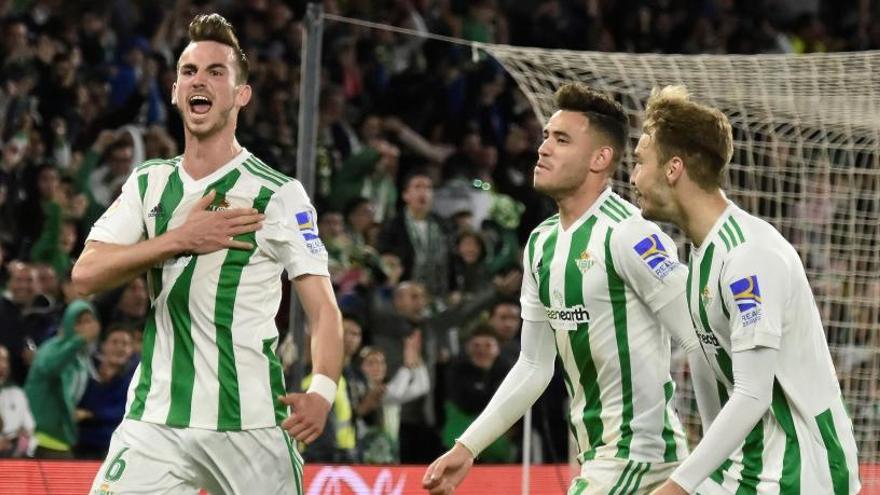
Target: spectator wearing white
(16,420)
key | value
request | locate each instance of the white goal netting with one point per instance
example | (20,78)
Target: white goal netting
(807,159)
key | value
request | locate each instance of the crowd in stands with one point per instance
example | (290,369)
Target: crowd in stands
(423,191)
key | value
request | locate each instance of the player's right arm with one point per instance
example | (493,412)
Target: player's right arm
(116,252)
(520,389)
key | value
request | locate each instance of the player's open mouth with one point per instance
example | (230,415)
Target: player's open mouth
(200,104)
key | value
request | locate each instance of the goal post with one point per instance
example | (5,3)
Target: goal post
(806,158)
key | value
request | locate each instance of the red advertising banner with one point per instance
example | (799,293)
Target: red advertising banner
(31,477)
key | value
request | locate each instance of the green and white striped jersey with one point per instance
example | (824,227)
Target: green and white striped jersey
(209,343)
(747,288)
(599,284)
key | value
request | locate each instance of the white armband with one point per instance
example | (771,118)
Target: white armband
(324,386)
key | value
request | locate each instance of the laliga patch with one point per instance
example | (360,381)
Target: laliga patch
(747,296)
(655,255)
(305,220)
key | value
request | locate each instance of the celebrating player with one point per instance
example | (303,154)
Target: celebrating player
(213,231)
(601,288)
(783,429)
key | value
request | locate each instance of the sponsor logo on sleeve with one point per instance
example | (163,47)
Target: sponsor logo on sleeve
(655,255)
(747,296)
(305,220)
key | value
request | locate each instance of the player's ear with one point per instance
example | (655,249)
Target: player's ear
(674,170)
(243,95)
(174,93)
(602,159)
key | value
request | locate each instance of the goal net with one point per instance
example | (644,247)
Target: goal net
(807,141)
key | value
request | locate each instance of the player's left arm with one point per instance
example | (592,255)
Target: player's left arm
(754,283)
(290,236)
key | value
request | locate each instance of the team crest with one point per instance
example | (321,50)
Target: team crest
(654,254)
(219,204)
(585,261)
(747,296)
(105,489)
(706,296)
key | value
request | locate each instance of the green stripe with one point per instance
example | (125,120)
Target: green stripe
(183,373)
(723,305)
(791,460)
(276,379)
(615,207)
(624,211)
(294,463)
(739,231)
(623,476)
(724,238)
(143,180)
(638,480)
(150,163)
(617,294)
(533,239)
(608,211)
(705,267)
(835,454)
(269,170)
(148,345)
(670,454)
(730,235)
(631,477)
(171,196)
(544,271)
(252,169)
(580,339)
(580,486)
(229,405)
(753,451)
(570,389)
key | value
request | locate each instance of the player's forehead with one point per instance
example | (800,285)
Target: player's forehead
(645,144)
(567,121)
(205,53)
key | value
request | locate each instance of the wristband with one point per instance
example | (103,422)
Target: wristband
(323,386)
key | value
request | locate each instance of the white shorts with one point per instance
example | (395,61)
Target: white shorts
(620,477)
(147,458)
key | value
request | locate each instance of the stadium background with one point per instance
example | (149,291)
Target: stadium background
(86,95)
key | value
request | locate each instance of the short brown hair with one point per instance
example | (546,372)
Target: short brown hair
(214,27)
(698,134)
(604,114)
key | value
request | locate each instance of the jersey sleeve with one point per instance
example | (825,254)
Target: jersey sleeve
(754,282)
(122,222)
(532,309)
(290,233)
(647,261)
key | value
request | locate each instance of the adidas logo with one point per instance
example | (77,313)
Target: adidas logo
(155,212)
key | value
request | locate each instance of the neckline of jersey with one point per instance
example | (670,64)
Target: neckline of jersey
(731,207)
(587,214)
(190,184)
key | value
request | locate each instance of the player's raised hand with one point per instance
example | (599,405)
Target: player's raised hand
(448,471)
(207,231)
(309,416)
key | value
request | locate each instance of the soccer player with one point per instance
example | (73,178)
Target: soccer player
(213,229)
(601,288)
(783,428)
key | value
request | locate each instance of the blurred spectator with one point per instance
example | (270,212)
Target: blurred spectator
(102,406)
(25,318)
(419,238)
(505,321)
(473,380)
(469,271)
(128,305)
(58,378)
(378,403)
(16,421)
